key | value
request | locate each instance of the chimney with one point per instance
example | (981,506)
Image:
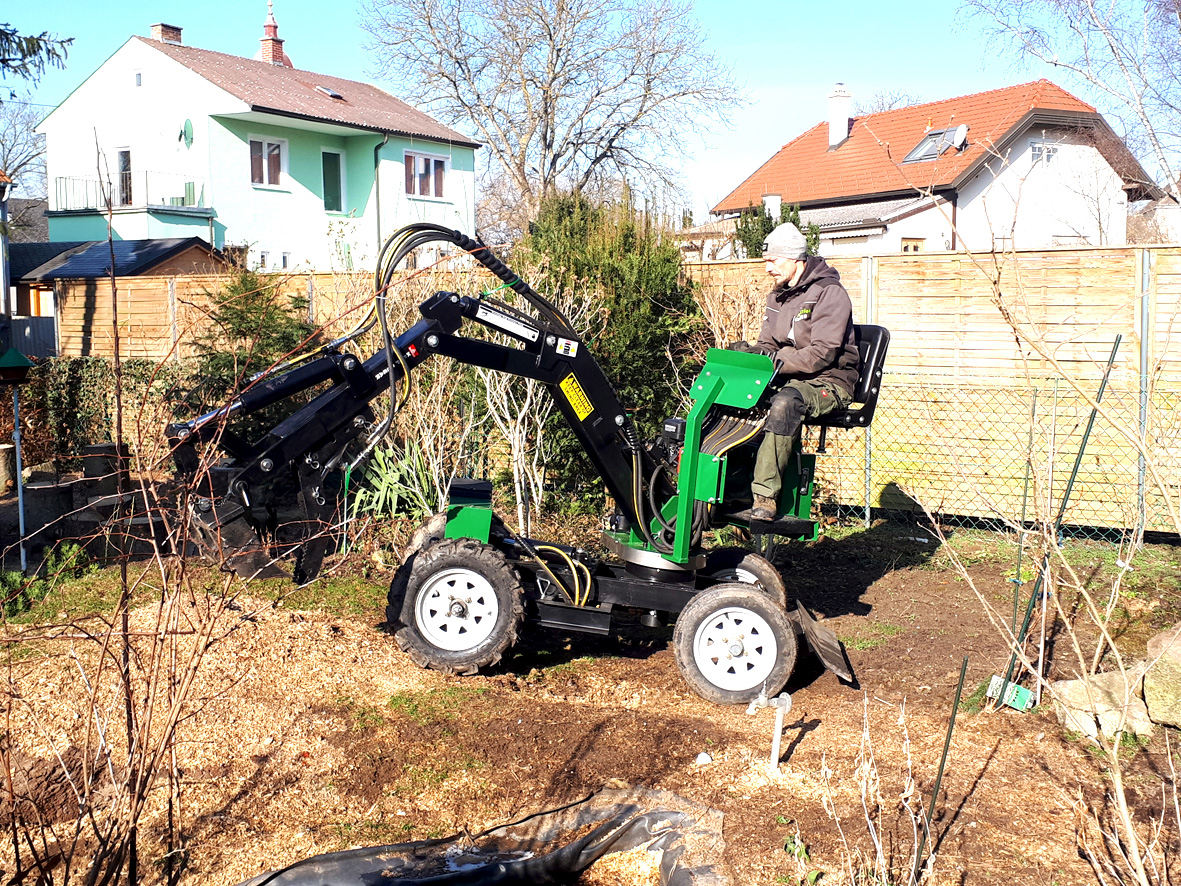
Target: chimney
(773,203)
(166,33)
(272,47)
(840,104)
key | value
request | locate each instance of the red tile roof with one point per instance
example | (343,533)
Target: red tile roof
(869,162)
(291,92)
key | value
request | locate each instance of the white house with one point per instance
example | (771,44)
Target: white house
(1025,167)
(300,169)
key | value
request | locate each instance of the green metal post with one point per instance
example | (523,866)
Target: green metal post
(1078,460)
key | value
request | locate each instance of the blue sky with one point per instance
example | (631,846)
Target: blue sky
(786,55)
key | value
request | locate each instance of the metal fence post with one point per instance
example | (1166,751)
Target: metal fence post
(869,276)
(1147,267)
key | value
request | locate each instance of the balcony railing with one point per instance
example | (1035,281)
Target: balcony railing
(131,190)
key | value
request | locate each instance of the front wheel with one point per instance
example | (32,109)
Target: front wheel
(732,642)
(462,607)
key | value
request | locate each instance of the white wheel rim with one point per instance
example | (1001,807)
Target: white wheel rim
(735,649)
(456,609)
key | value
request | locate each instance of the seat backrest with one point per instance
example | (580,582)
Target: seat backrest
(872,342)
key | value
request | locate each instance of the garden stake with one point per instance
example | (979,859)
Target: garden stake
(782,704)
(955,706)
(344,529)
(1017,582)
(1057,523)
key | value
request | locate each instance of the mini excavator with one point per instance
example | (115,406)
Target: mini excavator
(467,584)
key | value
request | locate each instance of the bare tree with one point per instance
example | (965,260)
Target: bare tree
(560,91)
(1125,52)
(22,151)
(886,100)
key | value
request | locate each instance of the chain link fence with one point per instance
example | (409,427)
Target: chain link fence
(982,455)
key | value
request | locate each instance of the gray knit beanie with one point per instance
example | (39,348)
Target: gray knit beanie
(785,241)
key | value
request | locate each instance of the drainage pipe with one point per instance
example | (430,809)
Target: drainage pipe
(377,184)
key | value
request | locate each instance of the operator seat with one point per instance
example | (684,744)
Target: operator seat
(872,342)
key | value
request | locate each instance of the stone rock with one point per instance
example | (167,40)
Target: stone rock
(42,473)
(1101,701)
(1162,682)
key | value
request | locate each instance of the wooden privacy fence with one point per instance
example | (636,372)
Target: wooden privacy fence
(964,401)
(163,317)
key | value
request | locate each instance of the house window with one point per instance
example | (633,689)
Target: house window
(124,194)
(424,175)
(1044,153)
(139,79)
(912,244)
(333,181)
(284,259)
(262,260)
(268,159)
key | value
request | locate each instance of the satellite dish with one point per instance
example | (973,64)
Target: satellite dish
(186,134)
(960,136)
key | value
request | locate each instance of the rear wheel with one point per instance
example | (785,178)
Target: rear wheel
(461,607)
(735,564)
(732,642)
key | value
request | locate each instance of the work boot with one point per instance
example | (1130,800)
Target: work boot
(764,509)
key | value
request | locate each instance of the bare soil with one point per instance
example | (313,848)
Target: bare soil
(316,734)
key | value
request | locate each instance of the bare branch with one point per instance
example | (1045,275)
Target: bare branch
(562,92)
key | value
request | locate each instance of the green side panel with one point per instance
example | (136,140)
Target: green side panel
(795,499)
(711,472)
(469,521)
(744,376)
(728,378)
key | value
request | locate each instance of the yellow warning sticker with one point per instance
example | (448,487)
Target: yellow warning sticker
(574,393)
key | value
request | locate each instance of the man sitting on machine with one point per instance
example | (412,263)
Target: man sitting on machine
(808,332)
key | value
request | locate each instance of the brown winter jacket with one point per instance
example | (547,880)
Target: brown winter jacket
(809,328)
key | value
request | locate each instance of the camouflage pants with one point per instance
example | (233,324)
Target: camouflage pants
(794,402)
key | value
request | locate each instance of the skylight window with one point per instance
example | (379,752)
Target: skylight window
(933,144)
(330,92)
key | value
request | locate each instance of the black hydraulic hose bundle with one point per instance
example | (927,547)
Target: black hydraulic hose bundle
(394,251)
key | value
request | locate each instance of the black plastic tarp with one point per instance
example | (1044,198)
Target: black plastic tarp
(554,846)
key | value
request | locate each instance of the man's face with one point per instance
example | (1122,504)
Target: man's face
(783,270)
